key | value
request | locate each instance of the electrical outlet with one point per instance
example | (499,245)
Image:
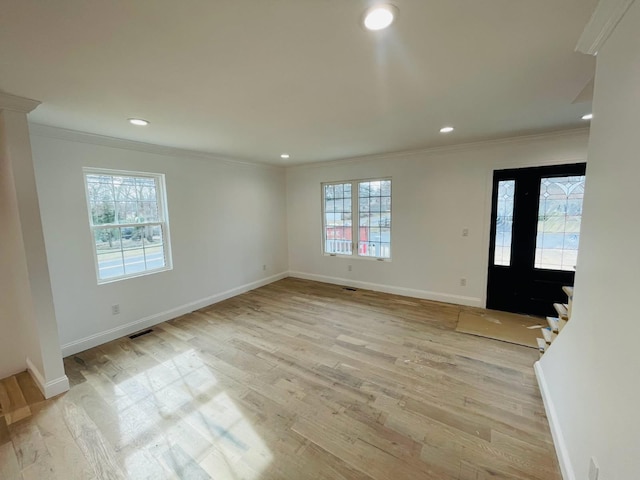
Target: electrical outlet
(349,268)
(594,470)
(463,282)
(264,268)
(115,309)
(465,232)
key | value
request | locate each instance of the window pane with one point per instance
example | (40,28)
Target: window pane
(109,252)
(337,219)
(153,245)
(559,218)
(127,212)
(363,208)
(107,240)
(374,205)
(504,222)
(147,212)
(145,189)
(110,265)
(103,213)
(385,188)
(134,261)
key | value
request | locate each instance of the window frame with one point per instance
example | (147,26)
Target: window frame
(355,219)
(162,221)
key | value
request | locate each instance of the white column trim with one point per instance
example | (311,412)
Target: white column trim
(49,389)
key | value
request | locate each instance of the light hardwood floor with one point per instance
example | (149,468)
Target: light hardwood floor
(296,380)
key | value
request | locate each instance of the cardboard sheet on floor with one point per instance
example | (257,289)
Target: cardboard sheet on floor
(507,327)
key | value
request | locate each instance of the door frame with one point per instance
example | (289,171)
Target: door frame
(486,231)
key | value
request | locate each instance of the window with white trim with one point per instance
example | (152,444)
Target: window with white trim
(365,229)
(128,222)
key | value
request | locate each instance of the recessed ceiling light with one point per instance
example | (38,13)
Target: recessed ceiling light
(446,129)
(284,155)
(379,17)
(138,121)
(588,116)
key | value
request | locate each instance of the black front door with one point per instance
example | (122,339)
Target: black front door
(535,231)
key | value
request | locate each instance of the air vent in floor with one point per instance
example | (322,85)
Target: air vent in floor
(139,334)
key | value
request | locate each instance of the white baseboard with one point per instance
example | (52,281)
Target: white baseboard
(49,389)
(406,292)
(556,432)
(146,322)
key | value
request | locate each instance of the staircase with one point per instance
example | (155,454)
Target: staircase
(556,324)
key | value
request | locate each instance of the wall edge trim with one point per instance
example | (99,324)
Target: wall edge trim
(559,442)
(392,289)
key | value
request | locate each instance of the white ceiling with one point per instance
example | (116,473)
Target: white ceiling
(251,79)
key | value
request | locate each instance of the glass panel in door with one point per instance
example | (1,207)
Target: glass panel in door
(559,218)
(504,222)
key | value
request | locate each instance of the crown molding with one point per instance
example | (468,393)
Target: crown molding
(603,22)
(574,132)
(16,103)
(48,131)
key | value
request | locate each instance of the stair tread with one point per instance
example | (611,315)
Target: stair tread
(542,345)
(562,309)
(548,335)
(561,324)
(553,323)
(568,290)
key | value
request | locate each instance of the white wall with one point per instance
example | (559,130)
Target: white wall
(227,220)
(592,371)
(435,195)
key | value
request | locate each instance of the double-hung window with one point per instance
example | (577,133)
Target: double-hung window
(357,218)
(128,222)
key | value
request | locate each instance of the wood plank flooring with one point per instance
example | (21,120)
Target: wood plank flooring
(296,380)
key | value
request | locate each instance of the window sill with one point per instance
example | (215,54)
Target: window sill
(135,275)
(357,257)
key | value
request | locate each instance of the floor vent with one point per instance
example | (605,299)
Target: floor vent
(351,289)
(139,334)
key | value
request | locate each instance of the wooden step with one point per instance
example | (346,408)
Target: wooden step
(563,312)
(542,345)
(553,323)
(548,335)
(561,324)
(568,290)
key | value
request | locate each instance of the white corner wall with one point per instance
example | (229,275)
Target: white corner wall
(227,220)
(591,373)
(436,194)
(27,318)
(13,277)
